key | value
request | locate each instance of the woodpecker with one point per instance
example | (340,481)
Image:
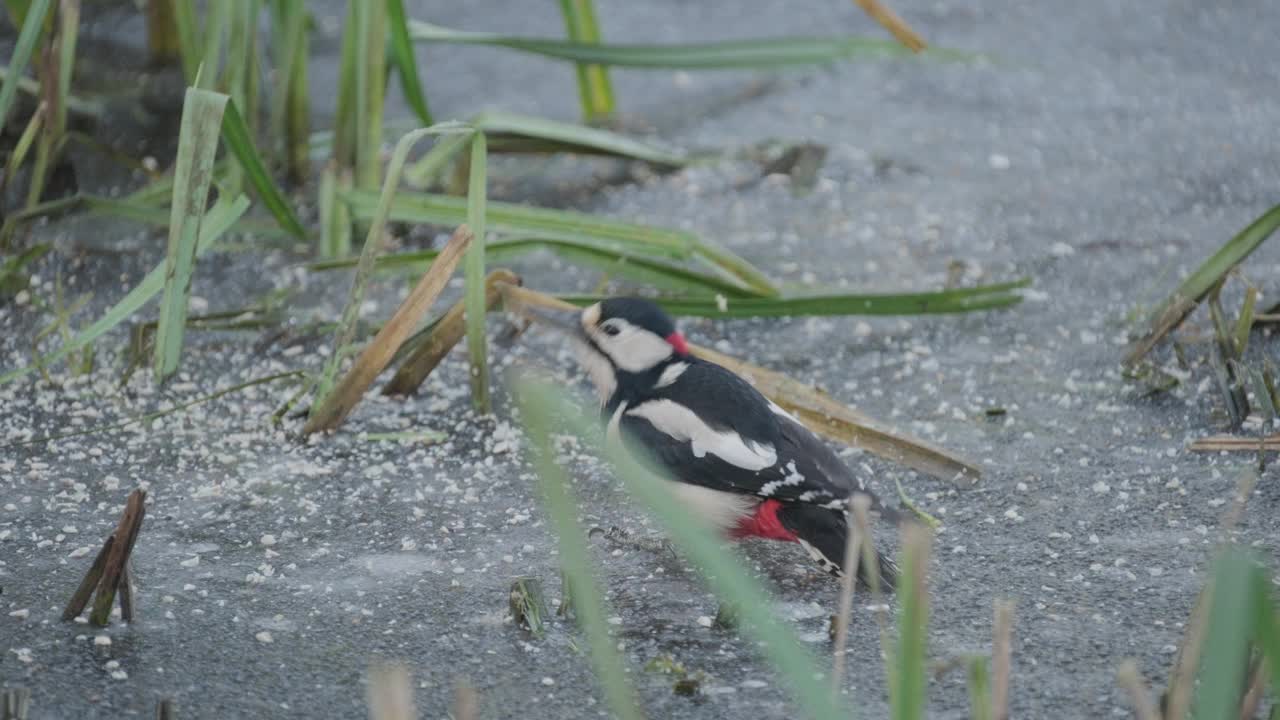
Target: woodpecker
(738,460)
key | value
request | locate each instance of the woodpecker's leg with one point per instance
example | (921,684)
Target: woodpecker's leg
(824,534)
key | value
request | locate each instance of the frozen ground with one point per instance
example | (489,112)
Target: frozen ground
(1111,148)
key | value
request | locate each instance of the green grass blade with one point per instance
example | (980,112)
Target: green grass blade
(594,88)
(202,113)
(1226,648)
(432,165)
(191,43)
(510,218)
(985,297)
(510,130)
(138,212)
(1178,306)
(406,61)
(344,121)
(722,571)
(12,280)
(473,270)
(1267,627)
(32,27)
(239,140)
(588,599)
(377,219)
(980,689)
(216,18)
(291,108)
(735,266)
(25,141)
(218,220)
(729,55)
(335,216)
(907,697)
(371,78)
(640,269)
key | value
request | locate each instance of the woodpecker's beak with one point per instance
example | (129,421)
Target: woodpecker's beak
(567,321)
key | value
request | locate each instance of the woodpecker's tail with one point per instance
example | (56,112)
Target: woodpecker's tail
(823,532)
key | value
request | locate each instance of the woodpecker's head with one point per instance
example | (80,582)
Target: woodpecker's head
(622,341)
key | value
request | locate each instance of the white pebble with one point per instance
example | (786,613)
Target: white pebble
(998,161)
(190,562)
(264,637)
(268,540)
(102,641)
(704,621)
(20,614)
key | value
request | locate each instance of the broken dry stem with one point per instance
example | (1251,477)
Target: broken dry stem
(894,24)
(374,359)
(1139,696)
(113,572)
(852,547)
(390,694)
(80,598)
(447,333)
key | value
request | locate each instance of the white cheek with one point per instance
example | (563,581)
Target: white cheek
(598,369)
(638,351)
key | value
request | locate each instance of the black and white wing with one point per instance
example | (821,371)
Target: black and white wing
(706,426)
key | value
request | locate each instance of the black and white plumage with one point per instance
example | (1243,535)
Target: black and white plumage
(738,460)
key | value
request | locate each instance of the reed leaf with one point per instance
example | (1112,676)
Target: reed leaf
(473,270)
(907,697)
(1196,288)
(202,113)
(984,297)
(594,88)
(637,268)
(32,27)
(239,140)
(510,131)
(1232,615)
(727,55)
(510,218)
(405,60)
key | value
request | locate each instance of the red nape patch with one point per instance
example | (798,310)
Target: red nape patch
(763,523)
(677,341)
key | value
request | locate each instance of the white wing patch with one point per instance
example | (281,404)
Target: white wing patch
(671,374)
(791,476)
(684,425)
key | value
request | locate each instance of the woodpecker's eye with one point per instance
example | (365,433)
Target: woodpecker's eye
(611,329)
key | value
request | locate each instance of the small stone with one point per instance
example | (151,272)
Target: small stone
(20,614)
(705,621)
(102,641)
(998,161)
(265,637)
(268,540)
(190,562)
(548,681)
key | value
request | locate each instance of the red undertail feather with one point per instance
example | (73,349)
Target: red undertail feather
(763,523)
